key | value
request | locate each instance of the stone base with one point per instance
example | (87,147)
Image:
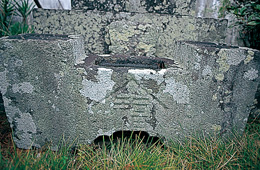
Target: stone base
(50,88)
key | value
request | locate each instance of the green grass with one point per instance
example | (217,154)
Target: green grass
(242,152)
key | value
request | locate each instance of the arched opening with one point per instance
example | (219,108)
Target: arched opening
(128,136)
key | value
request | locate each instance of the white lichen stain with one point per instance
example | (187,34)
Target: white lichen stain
(3,82)
(98,90)
(90,108)
(10,111)
(124,34)
(144,27)
(249,57)
(24,87)
(206,71)
(179,91)
(222,61)
(18,63)
(251,74)
(148,74)
(82,71)
(25,126)
(251,53)
(145,47)
(220,77)
(25,123)
(233,56)
(215,97)
(197,66)
(107,133)
(227,58)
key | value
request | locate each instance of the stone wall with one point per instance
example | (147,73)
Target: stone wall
(194,8)
(176,7)
(129,33)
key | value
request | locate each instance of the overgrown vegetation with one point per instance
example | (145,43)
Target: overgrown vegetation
(8,10)
(242,152)
(247,13)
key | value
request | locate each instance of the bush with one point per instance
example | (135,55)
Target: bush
(8,9)
(248,19)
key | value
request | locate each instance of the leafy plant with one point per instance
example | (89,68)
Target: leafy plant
(248,19)
(8,9)
(24,9)
(6,14)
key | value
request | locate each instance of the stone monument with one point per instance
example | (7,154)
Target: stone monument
(130,69)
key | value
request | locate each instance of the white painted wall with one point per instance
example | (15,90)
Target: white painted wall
(55,4)
(207,8)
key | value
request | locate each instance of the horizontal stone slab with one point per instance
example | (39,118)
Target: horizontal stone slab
(140,34)
(50,88)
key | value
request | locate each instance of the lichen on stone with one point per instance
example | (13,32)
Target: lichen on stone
(4,83)
(24,87)
(98,90)
(249,57)
(207,71)
(251,74)
(178,90)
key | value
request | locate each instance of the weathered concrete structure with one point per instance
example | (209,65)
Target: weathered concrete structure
(130,70)
(51,88)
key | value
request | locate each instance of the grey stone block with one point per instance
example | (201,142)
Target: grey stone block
(37,84)
(176,7)
(142,34)
(50,88)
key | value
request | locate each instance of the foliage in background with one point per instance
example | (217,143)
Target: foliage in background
(247,13)
(11,8)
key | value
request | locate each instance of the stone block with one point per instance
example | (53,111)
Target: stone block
(38,78)
(142,34)
(50,88)
(177,7)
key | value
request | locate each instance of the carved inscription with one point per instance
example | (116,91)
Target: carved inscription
(138,107)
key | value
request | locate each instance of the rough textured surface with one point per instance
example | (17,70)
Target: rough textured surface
(142,34)
(205,88)
(175,7)
(38,78)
